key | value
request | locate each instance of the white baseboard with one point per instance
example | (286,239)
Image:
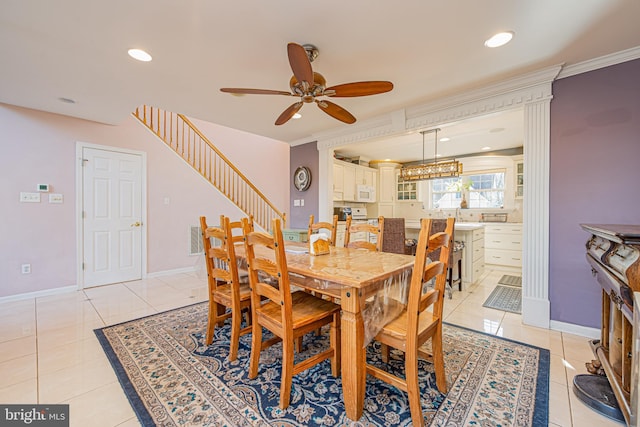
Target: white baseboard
(170,272)
(38,294)
(570,328)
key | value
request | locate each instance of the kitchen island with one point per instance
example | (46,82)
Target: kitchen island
(472,234)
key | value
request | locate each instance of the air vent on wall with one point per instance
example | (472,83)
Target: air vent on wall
(195,240)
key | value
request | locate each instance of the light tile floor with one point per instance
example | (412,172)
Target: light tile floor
(49,353)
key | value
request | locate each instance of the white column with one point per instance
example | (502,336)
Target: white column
(535,265)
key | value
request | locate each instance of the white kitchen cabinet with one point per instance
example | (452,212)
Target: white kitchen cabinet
(519,169)
(387,188)
(338,181)
(387,183)
(503,243)
(408,191)
(346,176)
(366,176)
(473,263)
(349,184)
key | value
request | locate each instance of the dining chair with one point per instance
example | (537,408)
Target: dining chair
(226,289)
(332,227)
(287,315)
(351,228)
(394,236)
(415,325)
(237,237)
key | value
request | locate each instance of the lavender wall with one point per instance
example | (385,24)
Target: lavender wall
(40,147)
(304,155)
(594,178)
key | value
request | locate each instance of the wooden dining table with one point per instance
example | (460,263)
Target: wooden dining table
(353,276)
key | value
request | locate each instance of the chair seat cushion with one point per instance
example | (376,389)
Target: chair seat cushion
(306,309)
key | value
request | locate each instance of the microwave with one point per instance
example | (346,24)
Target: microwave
(365,193)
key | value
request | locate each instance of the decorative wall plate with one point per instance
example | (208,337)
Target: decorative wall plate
(302,178)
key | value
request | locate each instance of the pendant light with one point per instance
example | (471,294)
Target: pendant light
(433,170)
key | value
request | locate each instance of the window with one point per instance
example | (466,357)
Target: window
(444,193)
(487,190)
(481,190)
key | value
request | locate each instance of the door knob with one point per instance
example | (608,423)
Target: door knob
(136,224)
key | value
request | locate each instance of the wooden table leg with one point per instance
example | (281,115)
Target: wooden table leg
(354,372)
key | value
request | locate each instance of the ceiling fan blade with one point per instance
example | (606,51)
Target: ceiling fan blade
(336,111)
(359,89)
(300,64)
(242,91)
(288,113)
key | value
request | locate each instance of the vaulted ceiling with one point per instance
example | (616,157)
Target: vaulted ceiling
(77,50)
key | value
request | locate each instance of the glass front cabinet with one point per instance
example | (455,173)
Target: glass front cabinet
(406,190)
(519,180)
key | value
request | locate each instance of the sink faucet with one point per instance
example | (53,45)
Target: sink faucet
(458,215)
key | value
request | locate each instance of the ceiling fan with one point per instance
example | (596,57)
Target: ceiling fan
(309,85)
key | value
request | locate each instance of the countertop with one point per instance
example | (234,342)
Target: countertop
(460,226)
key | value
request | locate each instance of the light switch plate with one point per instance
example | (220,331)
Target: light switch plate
(296,202)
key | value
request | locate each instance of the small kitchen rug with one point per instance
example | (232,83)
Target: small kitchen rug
(510,280)
(506,298)
(172,378)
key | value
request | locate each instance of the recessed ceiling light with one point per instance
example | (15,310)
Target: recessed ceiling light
(66,100)
(499,39)
(140,55)
(486,148)
(445,139)
(297,116)
(496,130)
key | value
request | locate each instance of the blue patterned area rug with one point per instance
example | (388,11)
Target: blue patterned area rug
(172,379)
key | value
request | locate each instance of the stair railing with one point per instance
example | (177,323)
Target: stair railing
(183,137)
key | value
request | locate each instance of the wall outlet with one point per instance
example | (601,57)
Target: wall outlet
(56,198)
(26,268)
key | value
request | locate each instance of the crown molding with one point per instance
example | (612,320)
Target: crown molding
(601,62)
(508,94)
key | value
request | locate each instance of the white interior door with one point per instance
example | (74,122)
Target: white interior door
(112,216)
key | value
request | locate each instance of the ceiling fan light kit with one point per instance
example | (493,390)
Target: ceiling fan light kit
(309,85)
(421,172)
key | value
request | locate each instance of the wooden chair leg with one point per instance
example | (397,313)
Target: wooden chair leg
(413,388)
(438,360)
(256,349)
(287,373)
(220,311)
(299,344)
(236,320)
(213,319)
